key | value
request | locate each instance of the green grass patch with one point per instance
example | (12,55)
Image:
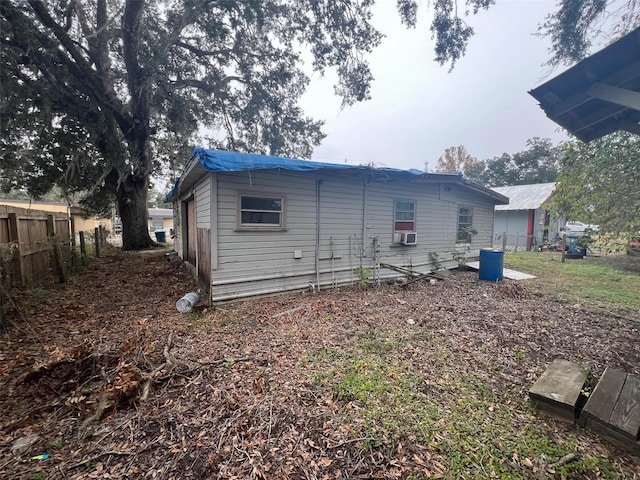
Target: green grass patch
(577,280)
(387,400)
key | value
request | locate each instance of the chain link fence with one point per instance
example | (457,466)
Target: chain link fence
(523,243)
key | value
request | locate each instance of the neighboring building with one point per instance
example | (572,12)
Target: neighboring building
(253,224)
(524,223)
(160,219)
(80,223)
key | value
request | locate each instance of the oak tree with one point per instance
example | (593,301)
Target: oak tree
(96,94)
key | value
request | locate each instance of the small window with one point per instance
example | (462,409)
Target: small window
(465,224)
(404,217)
(261,212)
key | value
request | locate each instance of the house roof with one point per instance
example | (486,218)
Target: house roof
(600,94)
(161,212)
(226,161)
(525,197)
(207,160)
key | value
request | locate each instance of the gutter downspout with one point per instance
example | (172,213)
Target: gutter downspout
(364,220)
(318,183)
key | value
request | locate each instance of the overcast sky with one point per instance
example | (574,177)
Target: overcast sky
(418,109)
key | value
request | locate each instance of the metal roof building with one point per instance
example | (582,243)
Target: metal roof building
(524,223)
(525,197)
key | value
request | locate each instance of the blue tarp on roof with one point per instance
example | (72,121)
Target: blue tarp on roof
(225,161)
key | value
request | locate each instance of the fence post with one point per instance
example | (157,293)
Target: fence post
(516,248)
(504,241)
(83,249)
(17,274)
(73,232)
(97,241)
(55,246)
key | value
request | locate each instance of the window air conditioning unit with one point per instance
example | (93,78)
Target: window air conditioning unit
(409,238)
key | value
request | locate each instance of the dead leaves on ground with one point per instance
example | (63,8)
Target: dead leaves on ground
(134,390)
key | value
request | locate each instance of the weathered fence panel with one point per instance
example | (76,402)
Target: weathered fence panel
(33,245)
(36,248)
(29,240)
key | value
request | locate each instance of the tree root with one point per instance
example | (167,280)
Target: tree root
(544,467)
(103,403)
(170,361)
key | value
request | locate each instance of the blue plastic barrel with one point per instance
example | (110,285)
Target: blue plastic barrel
(491,264)
(161,236)
(574,248)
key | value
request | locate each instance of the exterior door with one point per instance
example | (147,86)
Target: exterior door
(190,230)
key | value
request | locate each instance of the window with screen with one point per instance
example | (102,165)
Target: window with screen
(404,216)
(261,211)
(465,224)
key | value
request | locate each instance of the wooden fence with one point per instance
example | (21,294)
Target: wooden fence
(31,243)
(34,249)
(37,248)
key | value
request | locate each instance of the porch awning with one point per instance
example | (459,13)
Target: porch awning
(600,94)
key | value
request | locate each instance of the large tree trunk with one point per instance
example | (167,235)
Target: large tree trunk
(134,213)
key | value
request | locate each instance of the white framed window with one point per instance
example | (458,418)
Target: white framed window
(404,216)
(465,225)
(257,211)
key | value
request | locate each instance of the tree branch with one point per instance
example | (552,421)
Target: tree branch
(206,87)
(79,67)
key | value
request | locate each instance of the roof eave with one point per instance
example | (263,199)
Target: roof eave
(599,94)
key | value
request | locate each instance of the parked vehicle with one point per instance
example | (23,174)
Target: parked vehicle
(578,227)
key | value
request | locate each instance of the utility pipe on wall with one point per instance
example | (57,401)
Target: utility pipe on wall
(364,219)
(318,183)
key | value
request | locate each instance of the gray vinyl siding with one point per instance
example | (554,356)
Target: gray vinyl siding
(262,262)
(435,225)
(512,222)
(203,202)
(483,212)
(248,263)
(341,210)
(214,222)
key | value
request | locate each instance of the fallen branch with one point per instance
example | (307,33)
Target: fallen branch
(103,403)
(169,358)
(231,361)
(544,467)
(112,452)
(288,312)
(353,440)
(97,457)
(169,361)
(569,457)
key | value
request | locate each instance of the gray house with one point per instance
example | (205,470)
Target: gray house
(524,222)
(255,225)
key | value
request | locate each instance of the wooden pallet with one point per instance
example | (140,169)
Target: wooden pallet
(558,389)
(613,409)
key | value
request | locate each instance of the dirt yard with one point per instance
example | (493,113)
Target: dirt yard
(104,376)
